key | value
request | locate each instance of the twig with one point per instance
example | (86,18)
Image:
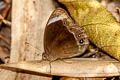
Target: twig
(4,54)
(1,37)
(5,21)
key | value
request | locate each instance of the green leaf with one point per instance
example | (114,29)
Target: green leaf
(102,28)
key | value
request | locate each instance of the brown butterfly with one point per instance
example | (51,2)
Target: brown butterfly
(63,38)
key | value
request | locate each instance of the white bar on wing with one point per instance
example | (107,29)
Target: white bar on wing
(55,19)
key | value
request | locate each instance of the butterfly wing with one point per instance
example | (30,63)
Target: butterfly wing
(63,38)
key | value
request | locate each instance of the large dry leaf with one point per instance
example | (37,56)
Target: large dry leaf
(100,25)
(80,67)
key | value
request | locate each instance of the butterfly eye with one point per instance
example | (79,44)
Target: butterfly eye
(81,41)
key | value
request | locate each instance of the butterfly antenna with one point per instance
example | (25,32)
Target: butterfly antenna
(33,46)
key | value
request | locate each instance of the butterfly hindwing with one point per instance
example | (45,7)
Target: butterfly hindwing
(63,38)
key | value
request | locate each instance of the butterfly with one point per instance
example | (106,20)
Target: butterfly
(63,38)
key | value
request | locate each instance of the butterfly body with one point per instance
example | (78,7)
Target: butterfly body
(63,38)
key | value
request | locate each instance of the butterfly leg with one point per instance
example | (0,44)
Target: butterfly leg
(96,53)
